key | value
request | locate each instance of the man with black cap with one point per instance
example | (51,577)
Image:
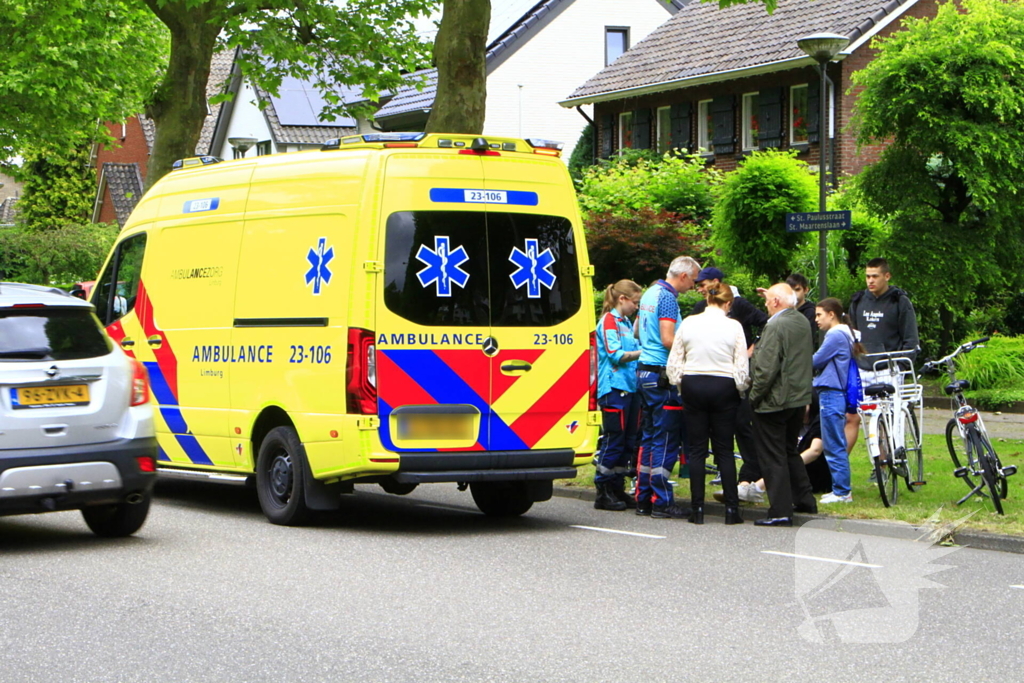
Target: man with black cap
(751,318)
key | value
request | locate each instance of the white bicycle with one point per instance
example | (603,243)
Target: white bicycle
(891,414)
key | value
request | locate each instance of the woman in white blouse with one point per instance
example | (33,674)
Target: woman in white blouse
(709,363)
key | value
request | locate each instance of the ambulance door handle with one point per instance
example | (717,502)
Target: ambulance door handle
(127,343)
(516,367)
(156,341)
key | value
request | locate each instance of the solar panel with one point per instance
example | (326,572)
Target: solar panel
(299,103)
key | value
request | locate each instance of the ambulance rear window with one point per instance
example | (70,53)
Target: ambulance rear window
(477,268)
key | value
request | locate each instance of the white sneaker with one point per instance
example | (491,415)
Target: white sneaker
(833,498)
(749,493)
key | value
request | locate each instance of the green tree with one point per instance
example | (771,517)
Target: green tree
(66,65)
(460,52)
(947,95)
(59,186)
(750,216)
(62,255)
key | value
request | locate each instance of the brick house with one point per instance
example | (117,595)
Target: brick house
(725,82)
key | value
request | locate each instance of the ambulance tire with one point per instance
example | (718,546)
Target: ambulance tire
(280,477)
(501,498)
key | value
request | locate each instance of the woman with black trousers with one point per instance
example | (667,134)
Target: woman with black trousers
(709,363)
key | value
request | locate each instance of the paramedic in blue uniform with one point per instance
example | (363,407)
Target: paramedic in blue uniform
(663,410)
(617,353)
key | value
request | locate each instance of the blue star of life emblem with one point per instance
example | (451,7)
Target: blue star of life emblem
(533,269)
(318,272)
(443,266)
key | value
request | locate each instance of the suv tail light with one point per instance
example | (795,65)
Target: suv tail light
(140,383)
(593,371)
(361,373)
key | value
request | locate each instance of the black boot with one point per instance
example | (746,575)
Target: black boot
(732,515)
(697,514)
(618,489)
(606,500)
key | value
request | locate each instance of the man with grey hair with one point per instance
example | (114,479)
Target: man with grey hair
(781,373)
(663,409)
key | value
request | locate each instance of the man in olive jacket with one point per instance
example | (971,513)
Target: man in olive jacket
(781,370)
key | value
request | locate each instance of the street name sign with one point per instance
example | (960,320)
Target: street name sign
(818,220)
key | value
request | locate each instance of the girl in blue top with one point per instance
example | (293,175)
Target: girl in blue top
(617,353)
(831,363)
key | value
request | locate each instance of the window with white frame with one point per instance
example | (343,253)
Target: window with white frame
(626,130)
(749,121)
(664,129)
(798,115)
(264,148)
(705,127)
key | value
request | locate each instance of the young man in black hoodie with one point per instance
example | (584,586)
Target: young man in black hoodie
(804,305)
(886,321)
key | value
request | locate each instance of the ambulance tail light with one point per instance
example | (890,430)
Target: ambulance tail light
(593,371)
(361,373)
(140,383)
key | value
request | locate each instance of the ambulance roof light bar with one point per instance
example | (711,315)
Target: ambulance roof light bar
(194,161)
(336,143)
(549,147)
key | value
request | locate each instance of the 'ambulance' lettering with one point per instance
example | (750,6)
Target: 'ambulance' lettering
(430,339)
(249,353)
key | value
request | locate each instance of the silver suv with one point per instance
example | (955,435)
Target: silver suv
(76,427)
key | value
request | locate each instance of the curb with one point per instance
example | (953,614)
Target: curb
(980,540)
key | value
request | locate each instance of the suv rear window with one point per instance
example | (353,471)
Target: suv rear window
(51,333)
(477,268)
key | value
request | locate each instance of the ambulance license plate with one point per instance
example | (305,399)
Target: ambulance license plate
(436,427)
(59,396)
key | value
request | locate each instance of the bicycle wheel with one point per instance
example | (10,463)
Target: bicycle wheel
(958,453)
(913,463)
(990,470)
(885,466)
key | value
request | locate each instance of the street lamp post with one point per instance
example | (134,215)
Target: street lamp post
(822,48)
(242,145)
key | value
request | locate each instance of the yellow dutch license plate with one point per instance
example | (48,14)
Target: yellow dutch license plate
(50,397)
(436,427)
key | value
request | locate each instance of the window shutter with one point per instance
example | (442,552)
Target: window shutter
(769,117)
(642,129)
(813,110)
(723,116)
(680,132)
(607,135)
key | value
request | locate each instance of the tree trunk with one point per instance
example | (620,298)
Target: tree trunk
(179,105)
(460,52)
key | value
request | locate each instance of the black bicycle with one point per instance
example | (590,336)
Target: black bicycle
(974,459)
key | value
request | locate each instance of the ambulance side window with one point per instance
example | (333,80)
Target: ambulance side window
(117,289)
(535,278)
(435,268)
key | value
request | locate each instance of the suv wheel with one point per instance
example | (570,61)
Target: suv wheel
(116,521)
(281,476)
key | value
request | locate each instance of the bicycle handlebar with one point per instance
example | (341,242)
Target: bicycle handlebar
(963,348)
(978,341)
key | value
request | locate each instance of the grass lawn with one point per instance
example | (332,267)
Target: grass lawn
(940,494)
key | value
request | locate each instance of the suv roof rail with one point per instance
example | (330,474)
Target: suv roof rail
(36,288)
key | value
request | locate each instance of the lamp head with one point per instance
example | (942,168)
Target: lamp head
(823,47)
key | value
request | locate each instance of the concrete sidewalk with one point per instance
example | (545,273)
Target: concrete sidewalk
(998,425)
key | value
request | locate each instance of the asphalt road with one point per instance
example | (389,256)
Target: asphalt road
(424,588)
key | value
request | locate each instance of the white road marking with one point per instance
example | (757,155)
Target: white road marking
(822,559)
(450,508)
(614,531)
(1021,587)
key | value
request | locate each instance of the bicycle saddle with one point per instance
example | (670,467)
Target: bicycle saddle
(959,385)
(875,390)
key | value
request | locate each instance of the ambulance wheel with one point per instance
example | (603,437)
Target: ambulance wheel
(280,477)
(501,498)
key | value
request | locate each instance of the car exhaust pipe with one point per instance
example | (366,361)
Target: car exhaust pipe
(134,498)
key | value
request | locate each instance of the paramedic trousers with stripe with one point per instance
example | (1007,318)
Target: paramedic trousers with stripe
(620,413)
(662,439)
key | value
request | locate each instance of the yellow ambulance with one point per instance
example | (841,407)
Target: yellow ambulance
(393,309)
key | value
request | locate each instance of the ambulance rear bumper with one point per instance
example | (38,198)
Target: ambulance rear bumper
(538,465)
